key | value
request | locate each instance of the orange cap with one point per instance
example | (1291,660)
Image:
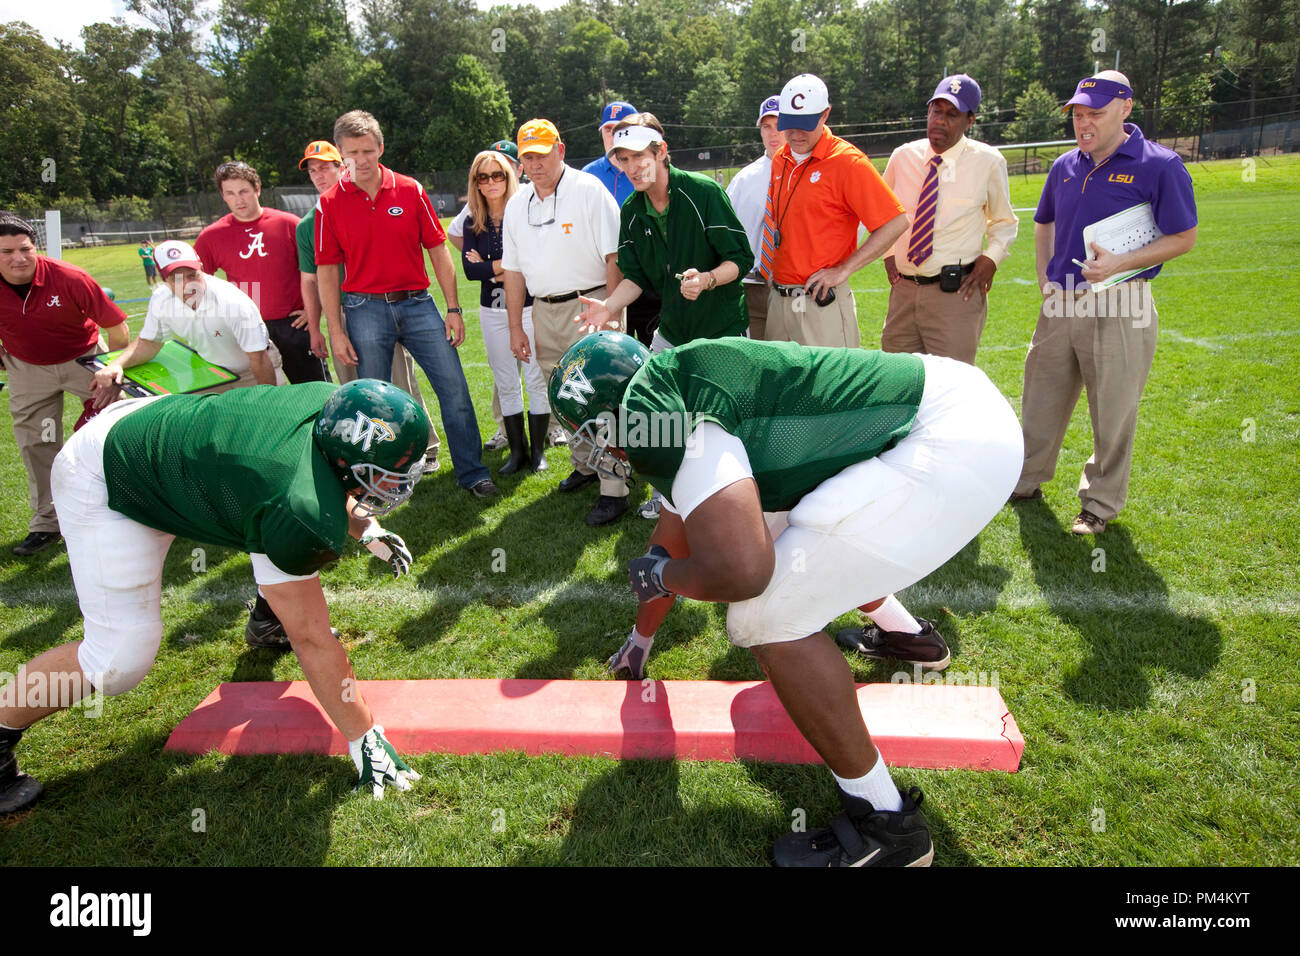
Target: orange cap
(321,149)
(538,136)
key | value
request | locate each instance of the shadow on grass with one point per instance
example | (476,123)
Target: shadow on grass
(1122,612)
(140,808)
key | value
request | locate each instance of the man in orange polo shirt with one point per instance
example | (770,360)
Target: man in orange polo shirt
(821,188)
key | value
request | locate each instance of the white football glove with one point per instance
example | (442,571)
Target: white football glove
(378,763)
(387,546)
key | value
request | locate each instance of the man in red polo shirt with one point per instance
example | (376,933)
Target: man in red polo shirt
(821,188)
(258,250)
(377,224)
(51,313)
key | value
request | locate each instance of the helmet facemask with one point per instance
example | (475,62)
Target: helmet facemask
(383,490)
(594,433)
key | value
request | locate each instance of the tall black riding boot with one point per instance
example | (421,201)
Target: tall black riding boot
(537,425)
(514,426)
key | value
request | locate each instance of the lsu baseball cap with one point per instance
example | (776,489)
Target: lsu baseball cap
(506,148)
(635,138)
(1097,91)
(173,254)
(616,112)
(769,107)
(802,103)
(961,91)
(538,136)
(320,149)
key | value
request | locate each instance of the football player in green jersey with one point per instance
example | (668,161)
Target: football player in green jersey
(800,483)
(286,474)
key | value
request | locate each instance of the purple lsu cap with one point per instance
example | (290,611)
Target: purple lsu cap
(771,107)
(960,90)
(1096,92)
(616,111)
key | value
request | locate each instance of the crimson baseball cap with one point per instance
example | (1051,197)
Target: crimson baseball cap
(172,254)
(960,90)
(802,103)
(1096,92)
(320,149)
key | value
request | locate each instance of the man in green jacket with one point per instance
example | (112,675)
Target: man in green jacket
(678,236)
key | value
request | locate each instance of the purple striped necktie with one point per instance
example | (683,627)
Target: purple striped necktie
(768,247)
(922,244)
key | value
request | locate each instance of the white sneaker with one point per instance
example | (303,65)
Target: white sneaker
(556,436)
(497,441)
(650,510)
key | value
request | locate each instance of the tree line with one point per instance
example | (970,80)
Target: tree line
(150,111)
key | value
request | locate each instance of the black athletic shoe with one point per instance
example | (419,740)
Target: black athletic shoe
(265,630)
(578,480)
(18,791)
(927,649)
(863,836)
(36,541)
(608,509)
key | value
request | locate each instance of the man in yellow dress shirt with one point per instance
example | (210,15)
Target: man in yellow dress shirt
(957,196)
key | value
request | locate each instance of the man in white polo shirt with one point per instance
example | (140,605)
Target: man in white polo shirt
(560,240)
(748,194)
(211,315)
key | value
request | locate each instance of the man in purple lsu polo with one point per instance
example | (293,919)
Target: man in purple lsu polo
(1089,335)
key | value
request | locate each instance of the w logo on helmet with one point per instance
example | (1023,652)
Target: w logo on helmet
(364,431)
(575,385)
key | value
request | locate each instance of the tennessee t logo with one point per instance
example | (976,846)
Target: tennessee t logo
(254,246)
(567,227)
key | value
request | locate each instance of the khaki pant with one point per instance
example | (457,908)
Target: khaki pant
(923,318)
(756,304)
(36,405)
(553,332)
(1104,342)
(797,318)
(403,376)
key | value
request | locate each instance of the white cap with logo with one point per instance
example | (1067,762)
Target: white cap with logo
(173,254)
(803,101)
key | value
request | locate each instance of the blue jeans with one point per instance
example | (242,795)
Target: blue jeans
(375,327)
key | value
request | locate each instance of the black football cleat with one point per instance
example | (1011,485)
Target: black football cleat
(264,628)
(863,836)
(34,542)
(18,791)
(928,648)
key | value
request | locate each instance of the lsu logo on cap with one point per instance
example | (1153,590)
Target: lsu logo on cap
(364,431)
(394,210)
(1088,84)
(954,87)
(575,385)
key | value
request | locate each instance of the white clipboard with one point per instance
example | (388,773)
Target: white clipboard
(1125,231)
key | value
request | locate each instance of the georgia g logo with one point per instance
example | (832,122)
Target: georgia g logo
(575,385)
(364,431)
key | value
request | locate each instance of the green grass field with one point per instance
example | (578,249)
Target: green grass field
(1158,697)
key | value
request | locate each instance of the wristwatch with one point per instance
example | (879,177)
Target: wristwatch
(713,281)
(455,308)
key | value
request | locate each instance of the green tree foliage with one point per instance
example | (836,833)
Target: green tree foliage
(40,123)
(1038,117)
(477,114)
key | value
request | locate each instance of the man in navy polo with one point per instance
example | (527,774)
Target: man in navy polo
(643,314)
(1093,334)
(377,225)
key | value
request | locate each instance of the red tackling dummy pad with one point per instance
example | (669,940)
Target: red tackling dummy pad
(915,725)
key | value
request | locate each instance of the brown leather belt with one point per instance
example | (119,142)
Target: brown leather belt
(930,280)
(567,297)
(391,297)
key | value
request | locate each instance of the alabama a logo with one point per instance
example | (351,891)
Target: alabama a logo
(254,246)
(364,431)
(575,385)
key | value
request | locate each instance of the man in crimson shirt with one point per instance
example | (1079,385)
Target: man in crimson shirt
(376,225)
(51,313)
(258,251)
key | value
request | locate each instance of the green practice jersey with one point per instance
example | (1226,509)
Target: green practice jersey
(803,414)
(239,469)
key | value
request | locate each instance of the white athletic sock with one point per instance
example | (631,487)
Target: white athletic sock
(876,785)
(892,616)
(641,641)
